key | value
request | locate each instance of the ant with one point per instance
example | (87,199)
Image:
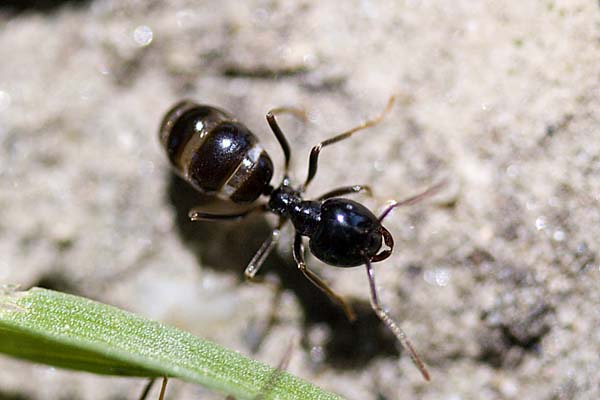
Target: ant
(219,156)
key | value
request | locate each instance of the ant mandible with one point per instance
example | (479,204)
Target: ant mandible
(219,156)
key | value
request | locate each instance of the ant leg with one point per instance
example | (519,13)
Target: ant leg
(318,282)
(412,200)
(393,325)
(346,190)
(163,388)
(196,215)
(149,385)
(279,133)
(250,273)
(314,153)
(147,389)
(264,251)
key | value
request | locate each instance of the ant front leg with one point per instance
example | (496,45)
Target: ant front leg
(316,150)
(318,282)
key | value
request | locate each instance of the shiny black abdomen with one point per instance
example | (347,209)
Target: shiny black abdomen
(347,235)
(215,153)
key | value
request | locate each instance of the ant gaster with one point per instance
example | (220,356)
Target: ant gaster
(220,156)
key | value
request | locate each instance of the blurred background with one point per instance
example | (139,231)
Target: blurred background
(495,279)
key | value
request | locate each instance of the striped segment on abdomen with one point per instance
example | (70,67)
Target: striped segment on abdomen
(215,153)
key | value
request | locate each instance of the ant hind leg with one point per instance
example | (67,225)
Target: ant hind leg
(250,273)
(263,252)
(279,133)
(196,214)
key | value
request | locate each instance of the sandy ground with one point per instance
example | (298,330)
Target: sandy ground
(495,279)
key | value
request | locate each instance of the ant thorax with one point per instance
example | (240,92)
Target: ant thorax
(287,202)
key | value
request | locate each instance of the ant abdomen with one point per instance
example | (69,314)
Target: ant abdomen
(216,154)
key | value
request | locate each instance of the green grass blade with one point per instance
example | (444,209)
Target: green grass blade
(76,333)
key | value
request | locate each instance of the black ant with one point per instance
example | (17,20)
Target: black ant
(220,156)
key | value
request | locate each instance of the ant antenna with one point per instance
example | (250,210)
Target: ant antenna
(376,305)
(393,325)
(412,200)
